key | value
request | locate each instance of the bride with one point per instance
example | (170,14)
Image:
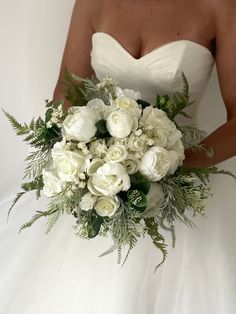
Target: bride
(144,45)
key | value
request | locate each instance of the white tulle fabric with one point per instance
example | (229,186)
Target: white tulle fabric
(58,273)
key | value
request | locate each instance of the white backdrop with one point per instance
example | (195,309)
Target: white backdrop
(32,37)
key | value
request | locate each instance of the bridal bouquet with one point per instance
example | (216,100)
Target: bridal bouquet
(114,162)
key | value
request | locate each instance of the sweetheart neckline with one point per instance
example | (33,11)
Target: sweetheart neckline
(155,49)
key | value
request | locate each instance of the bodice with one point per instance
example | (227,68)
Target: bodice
(157,72)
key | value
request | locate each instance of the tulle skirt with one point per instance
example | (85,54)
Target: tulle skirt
(59,273)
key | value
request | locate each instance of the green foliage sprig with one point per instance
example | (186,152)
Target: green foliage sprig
(79,90)
(157,239)
(176,104)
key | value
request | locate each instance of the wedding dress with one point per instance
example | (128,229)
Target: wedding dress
(59,273)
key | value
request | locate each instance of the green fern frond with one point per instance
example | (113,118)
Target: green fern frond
(179,101)
(132,243)
(119,254)
(185,89)
(36,162)
(52,220)
(192,136)
(16,199)
(20,129)
(171,229)
(38,215)
(108,251)
(227,172)
(157,239)
(204,173)
(38,193)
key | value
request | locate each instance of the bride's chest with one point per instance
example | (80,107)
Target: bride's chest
(163,64)
(141,26)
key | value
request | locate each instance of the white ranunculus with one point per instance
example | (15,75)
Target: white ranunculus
(80,125)
(129,105)
(87,201)
(119,123)
(131,164)
(69,163)
(52,183)
(116,153)
(106,206)
(100,108)
(129,93)
(155,198)
(137,143)
(94,165)
(155,163)
(109,179)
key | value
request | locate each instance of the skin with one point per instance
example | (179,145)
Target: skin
(136,24)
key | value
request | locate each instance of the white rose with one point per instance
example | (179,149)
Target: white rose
(52,183)
(131,164)
(119,123)
(116,153)
(100,108)
(129,93)
(87,201)
(109,179)
(69,164)
(155,163)
(129,105)
(155,198)
(94,165)
(98,148)
(106,206)
(80,125)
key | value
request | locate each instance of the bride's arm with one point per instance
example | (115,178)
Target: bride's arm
(76,56)
(222,140)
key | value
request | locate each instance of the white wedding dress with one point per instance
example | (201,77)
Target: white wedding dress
(61,274)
